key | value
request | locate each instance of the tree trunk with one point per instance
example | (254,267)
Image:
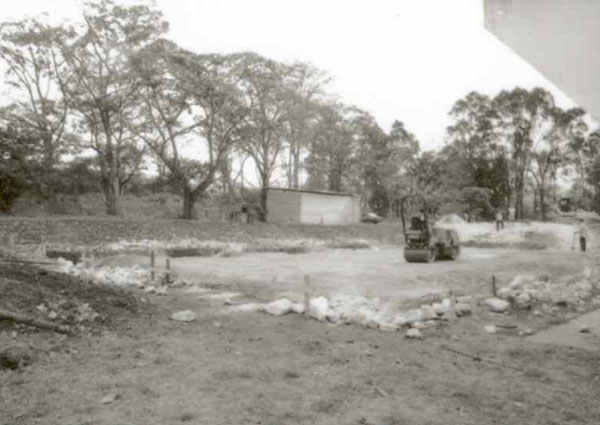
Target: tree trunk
(189,201)
(296,160)
(543,201)
(519,186)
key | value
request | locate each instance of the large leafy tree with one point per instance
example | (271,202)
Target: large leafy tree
(188,101)
(101,85)
(263,130)
(35,71)
(524,117)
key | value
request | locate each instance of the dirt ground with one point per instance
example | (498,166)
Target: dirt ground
(256,369)
(251,368)
(380,272)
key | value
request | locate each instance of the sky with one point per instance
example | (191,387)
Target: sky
(406,60)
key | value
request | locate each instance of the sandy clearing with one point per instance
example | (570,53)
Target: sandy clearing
(381,273)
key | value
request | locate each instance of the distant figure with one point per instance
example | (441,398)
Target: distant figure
(511,214)
(582,231)
(499,220)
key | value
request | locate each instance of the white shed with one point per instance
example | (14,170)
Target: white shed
(287,206)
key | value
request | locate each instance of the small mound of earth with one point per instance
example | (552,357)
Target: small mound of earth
(63,300)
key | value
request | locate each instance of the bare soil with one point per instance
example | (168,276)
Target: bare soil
(250,368)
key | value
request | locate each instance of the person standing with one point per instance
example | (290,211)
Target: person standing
(499,220)
(582,231)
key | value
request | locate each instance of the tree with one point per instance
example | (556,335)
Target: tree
(19,152)
(188,98)
(263,128)
(333,147)
(36,72)
(101,85)
(548,152)
(304,86)
(523,118)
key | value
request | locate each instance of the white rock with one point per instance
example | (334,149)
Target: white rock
(279,307)
(412,316)
(497,305)
(417,325)
(318,308)
(52,315)
(413,334)
(520,280)
(527,331)
(442,308)
(298,308)
(524,299)
(333,317)
(42,308)
(247,308)
(462,309)
(183,316)
(150,289)
(491,329)
(110,398)
(387,327)
(505,292)
(428,312)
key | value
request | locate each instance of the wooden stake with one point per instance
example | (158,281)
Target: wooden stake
(152,265)
(306,294)
(168,275)
(494,285)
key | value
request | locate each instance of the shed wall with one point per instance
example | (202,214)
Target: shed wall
(327,209)
(283,207)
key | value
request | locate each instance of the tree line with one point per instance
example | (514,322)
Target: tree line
(113,85)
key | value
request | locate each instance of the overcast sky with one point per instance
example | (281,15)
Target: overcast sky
(399,59)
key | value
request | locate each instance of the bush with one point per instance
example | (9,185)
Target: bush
(11,187)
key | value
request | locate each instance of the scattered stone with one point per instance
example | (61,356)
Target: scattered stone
(318,308)
(417,325)
(248,308)
(491,329)
(497,305)
(442,308)
(110,398)
(13,334)
(150,289)
(386,327)
(52,315)
(413,333)
(524,299)
(428,312)
(279,307)
(528,331)
(298,308)
(462,309)
(585,329)
(184,316)
(42,308)
(505,292)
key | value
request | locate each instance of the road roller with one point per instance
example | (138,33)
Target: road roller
(425,243)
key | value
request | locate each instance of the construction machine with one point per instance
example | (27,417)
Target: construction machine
(425,242)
